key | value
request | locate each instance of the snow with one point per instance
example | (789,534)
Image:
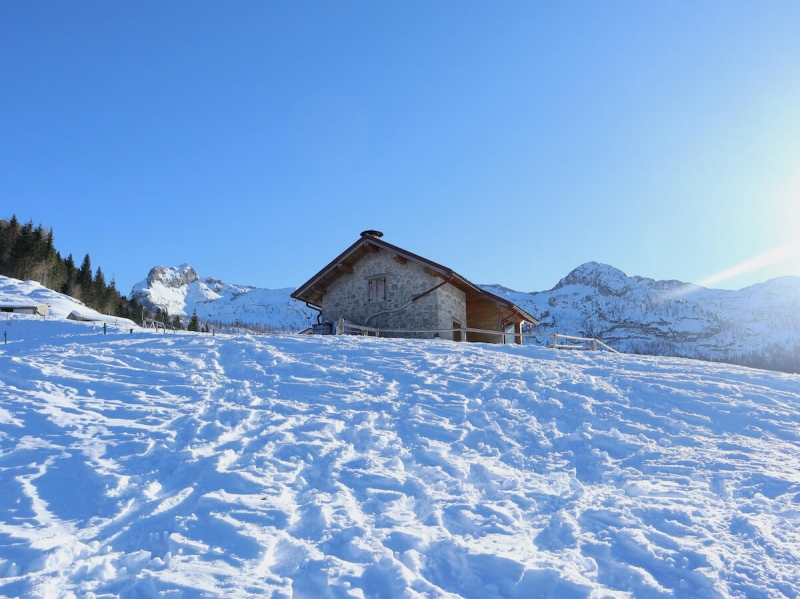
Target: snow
(757,325)
(186,465)
(181,291)
(16,292)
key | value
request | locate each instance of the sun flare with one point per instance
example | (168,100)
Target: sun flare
(787,254)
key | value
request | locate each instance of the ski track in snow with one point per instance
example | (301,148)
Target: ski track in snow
(196,466)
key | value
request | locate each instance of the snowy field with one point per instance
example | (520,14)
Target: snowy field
(143,465)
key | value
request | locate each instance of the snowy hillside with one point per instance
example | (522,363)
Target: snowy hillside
(180,290)
(16,292)
(758,325)
(195,466)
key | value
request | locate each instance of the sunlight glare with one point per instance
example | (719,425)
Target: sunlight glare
(788,253)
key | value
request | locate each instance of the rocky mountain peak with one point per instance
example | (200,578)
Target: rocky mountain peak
(181,291)
(603,277)
(176,276)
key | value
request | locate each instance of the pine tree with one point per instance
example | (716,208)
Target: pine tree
(100,291)
(28,252)
(22,252)
(68,286)
(194,323)
(86,281)
(14,224)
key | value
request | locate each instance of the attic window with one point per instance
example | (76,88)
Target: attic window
(377,290)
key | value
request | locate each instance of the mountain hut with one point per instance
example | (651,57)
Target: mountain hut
(379,285)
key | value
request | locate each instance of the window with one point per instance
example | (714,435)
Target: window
(377,290)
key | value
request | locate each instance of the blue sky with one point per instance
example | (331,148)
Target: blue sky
(509,141)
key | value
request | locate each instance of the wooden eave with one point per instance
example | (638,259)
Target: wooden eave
(313,290)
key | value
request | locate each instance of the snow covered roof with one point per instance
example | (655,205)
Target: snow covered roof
(38,309)
(313,290)
(20,306)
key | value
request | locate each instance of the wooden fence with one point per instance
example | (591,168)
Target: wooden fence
(152,323)
(558,341)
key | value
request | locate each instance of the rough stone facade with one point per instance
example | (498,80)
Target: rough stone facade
(348,297)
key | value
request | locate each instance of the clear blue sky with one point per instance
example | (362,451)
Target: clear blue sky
(509,141)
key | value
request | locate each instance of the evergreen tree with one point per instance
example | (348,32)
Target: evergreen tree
(194,323)
(70,276)
(14,224)
(56,271)
(99,291)
(86,281)
(28,252)
(22,252)
(112,295)
(176,322)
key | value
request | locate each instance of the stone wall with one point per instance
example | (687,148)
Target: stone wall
(452,308)
(347,296)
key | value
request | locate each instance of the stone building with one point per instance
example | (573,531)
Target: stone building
(376,284)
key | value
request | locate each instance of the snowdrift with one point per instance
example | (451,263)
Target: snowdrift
(193,466)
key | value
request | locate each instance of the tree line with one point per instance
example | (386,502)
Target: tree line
(27,252)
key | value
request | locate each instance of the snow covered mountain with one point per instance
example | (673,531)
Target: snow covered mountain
(185,465)
(755,326)
(758,325)
(180,290)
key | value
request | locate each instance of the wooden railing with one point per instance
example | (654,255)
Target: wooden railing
(152,323)
(580,343)
(589,343)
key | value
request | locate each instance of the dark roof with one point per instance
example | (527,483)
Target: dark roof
(312,291)
(22,305)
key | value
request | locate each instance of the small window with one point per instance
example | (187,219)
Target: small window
(377,290)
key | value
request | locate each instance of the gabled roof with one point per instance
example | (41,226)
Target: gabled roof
(313,290)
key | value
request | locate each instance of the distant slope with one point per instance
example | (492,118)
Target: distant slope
(757,325)
(14,291)
(187,465)
(181,290)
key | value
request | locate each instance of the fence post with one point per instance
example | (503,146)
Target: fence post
(555,340)
(464,333)
(340,327)
(594,344)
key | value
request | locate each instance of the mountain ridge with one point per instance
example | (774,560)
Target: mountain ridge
(758,325)
(180,290)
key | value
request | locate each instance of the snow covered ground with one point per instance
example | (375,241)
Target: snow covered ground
(16,292)
(181,465)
